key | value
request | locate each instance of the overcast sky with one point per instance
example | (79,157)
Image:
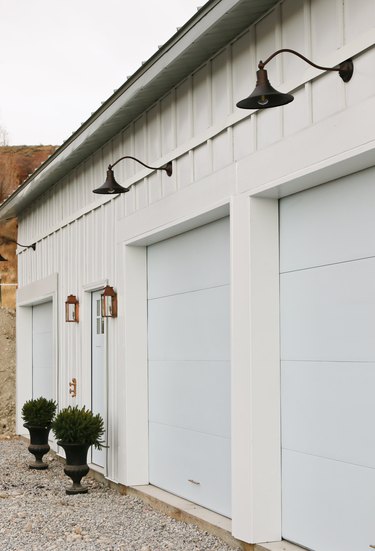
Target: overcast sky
(59,59)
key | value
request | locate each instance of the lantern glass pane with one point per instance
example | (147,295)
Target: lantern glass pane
(70,312)
(106,306)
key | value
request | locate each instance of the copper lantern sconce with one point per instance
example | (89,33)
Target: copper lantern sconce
(72,309)
(265,96)
(109,302)
(111,187)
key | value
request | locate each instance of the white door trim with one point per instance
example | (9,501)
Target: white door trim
(44,290)
(256,487)
(85,314)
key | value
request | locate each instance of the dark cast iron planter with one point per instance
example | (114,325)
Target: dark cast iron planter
(38,445)
(76,466)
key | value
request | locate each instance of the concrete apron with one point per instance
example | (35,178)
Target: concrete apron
(186,511)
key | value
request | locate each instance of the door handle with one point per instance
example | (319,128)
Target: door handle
(73,387)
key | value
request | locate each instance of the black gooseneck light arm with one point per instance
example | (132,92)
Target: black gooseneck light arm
(345,68)
(167,167)
(10,240)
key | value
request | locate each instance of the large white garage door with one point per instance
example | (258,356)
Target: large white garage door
(327,258)
(189,370)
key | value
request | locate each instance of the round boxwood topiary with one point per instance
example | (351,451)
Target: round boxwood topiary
(74,425)
(39,412)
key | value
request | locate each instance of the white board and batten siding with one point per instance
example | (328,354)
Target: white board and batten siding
(199,127)
(220,154)
(189,369)
(328,364)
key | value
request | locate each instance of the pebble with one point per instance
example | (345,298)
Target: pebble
(37,515)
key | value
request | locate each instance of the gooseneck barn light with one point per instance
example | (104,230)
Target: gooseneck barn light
(111,187)
(265,96)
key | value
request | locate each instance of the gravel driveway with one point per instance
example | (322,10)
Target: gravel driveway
(37,515)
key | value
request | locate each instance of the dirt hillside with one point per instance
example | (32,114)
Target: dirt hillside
(7,370)
(16,163)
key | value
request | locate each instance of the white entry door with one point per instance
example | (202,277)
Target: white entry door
(189,369)
(98,370)
(327,264)
(42,351)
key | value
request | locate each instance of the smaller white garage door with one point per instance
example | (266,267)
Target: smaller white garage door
(189,370)
(43,372)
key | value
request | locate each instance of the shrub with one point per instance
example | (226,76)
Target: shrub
(74,425)
(39,412)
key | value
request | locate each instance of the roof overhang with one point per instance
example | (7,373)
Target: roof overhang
(214,25)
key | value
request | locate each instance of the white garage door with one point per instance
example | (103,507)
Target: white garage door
(327,260)
(189,370)
(43,375)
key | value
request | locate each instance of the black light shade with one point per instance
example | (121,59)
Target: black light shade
(264,96)
(2,259)
(110,186)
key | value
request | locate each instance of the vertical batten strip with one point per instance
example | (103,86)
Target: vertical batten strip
(308,47)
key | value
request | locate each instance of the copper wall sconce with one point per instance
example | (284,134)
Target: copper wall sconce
(109,303)
(72,309)
(111,187)
(265,96)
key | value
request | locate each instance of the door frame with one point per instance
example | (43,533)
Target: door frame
(132,378)
(255,381)
(86,383)
(44,290)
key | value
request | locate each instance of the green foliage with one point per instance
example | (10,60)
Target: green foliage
(73,425)
(39,412)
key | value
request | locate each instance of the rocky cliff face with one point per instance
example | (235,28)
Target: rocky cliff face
(16,163)
(7,371)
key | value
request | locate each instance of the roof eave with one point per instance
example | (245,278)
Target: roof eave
(206,32)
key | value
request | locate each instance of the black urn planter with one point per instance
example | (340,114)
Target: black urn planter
(38,445)
(76,466)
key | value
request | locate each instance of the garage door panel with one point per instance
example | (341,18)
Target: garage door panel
(321,403)
(328,314)
(191,326)
(42,349)
(191,261)
(328,224)
(328,505)
(42,383)
(42,318)
(191,395)
(189,369)
(178,456)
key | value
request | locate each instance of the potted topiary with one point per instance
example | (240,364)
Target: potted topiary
(76,429)
(38,415)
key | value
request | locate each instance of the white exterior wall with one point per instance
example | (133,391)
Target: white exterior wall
(221,156)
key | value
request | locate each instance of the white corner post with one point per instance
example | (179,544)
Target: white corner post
(255,361)
(132,373)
